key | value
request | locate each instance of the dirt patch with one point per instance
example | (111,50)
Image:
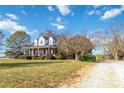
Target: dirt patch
(73,82)
(104,75)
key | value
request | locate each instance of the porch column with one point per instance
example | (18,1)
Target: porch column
(38,52)
(46,52)
(29,52)
(32,51)
(49,50)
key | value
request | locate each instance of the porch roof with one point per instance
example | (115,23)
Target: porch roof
(40,47)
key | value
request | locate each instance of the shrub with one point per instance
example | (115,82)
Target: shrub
(35,57)
(41,57)
(28,57)
(53,57)
(17,55)
(58,56)
(25,57)
(88,58)
(48,56)
(22,57)
(10,54)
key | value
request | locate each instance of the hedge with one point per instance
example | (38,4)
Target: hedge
(88,58)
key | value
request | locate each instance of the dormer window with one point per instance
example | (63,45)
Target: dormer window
(41,41)
(35,43)
(44,41)
(50,41)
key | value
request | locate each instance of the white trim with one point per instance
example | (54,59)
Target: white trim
(43,41)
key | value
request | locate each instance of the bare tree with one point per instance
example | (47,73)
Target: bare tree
(47,33)
(95,37)
(62,44)
(76,44)
(113,41)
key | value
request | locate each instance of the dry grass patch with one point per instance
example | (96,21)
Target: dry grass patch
(37,73)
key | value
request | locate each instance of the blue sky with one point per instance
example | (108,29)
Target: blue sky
(35,19)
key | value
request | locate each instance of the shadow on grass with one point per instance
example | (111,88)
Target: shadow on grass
(27,64)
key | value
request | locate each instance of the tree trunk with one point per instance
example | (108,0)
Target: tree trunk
(116,56)
(76,56)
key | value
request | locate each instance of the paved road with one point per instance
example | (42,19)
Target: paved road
(104,75)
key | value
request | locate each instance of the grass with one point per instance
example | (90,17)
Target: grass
(37,73)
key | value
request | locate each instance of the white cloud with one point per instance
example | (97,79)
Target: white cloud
(96,12)
(35,31)
(50,8)
(105,8)
(24,12)
(59,19)
(11,26)
(12,16)
(112,13)
(32,32)
(91,12)
(58,26)
(64,10)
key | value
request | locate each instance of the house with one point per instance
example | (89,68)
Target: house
(42,46)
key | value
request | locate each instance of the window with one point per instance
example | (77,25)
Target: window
(50,41)
(41,41)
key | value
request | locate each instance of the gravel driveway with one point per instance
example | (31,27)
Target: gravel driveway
(104,75)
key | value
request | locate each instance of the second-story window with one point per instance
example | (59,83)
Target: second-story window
(41,41)
(50,41)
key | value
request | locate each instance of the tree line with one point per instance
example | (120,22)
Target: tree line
(67,45)
(112,40)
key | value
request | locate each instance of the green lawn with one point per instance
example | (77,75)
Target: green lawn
(37,73)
